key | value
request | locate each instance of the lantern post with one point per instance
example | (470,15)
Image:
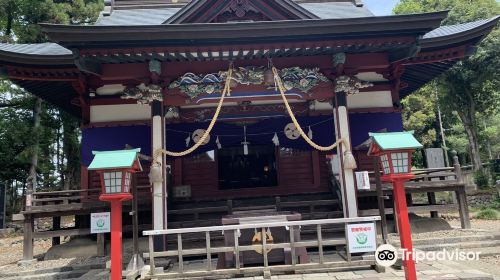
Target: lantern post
(115,169)
(394,151)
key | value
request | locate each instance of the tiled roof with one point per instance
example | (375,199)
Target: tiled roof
(142,12)
(152,4)
(337,10)
(47,49)
(457,28)
(137,17)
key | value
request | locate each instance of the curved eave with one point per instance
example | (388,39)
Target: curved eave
(411,25)
(476,33)
(40,60)
(59,93)
(417,75)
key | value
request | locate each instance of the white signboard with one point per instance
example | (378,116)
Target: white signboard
(363,180)
(361,238)
(100,222)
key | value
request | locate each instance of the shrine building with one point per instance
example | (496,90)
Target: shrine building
(150,74)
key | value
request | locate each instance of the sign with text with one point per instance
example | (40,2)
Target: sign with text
(361,237)
(100,222)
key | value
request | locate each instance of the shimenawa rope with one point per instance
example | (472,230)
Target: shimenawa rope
(349,161)
(227,90)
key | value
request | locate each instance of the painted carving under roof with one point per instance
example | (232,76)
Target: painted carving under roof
(303,79)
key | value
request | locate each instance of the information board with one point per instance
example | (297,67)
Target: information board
(100,222)
(361,238)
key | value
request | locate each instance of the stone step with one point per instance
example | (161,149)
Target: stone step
(464,245)
(94,274)
(73,274)
(487,251)
(45,271)
(451,240)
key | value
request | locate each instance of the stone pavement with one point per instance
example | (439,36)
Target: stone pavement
(438,270)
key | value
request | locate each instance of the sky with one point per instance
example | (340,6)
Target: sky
(380,7)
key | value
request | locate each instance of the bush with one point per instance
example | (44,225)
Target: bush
(481,179)
(496,204)
(488,214)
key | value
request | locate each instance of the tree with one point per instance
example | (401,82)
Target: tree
(471,86)
(419,114)
(56,141)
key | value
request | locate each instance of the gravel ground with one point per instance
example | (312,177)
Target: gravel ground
(441,234)
(53,263)
(494,260)
(485,225)
(490,265)
(11,249)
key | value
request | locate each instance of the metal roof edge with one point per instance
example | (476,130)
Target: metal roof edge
(462,36)
(418,23)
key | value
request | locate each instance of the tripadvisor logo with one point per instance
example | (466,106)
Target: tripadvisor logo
(362,239)
(386,255)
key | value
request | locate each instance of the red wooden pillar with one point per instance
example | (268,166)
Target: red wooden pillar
(116,240)
(404,228)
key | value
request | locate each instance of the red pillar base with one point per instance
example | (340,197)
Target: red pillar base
(404,228)
(116,232)
(116,240)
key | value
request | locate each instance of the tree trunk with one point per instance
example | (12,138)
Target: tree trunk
(468,121)
(31,181)
(71,151)
(59,157)
(10,19)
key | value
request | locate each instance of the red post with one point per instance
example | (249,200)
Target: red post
(116,240)
(404,228)
(116,231)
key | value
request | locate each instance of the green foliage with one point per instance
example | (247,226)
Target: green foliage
(58,135)
(21,17)
(472,86)
(488,214)
(419,114)
(459,10)
(481,179)
(496,204)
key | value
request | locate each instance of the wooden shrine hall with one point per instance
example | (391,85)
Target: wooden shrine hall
(150,74)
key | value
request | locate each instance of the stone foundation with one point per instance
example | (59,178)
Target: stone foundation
(480,199)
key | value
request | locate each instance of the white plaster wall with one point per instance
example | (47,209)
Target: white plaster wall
(371,99)
(121,112)
(371,77)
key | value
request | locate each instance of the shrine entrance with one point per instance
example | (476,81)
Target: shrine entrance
(255,168)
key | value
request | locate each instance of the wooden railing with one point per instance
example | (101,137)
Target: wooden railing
(63,197)
(236,250)
(73,196)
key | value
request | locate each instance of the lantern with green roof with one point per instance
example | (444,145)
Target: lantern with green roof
(115,169)
(394,150)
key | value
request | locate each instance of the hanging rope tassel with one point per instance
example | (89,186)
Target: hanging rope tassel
(310,133)
(349,160)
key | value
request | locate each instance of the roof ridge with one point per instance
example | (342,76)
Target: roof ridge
(357,3)
(110,5)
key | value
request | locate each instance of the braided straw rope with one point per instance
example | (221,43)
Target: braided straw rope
(281,88)
(226,91)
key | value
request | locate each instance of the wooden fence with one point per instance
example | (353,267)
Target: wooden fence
(236,250)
